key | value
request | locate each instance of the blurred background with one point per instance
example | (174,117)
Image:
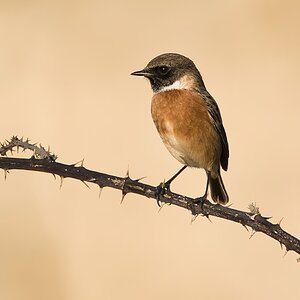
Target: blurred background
(64,82)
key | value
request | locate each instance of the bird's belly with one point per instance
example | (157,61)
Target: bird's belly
(174,147)
(184,149)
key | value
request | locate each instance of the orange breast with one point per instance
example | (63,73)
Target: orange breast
(182,120)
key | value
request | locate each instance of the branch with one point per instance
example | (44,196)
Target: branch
(48,164)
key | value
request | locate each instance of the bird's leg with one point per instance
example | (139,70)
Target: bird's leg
(200,200)
(165,186)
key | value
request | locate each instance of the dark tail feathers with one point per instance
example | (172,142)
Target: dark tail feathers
(218,191)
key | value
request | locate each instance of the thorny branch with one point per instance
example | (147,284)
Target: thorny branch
(45,161)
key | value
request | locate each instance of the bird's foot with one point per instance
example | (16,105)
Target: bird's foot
(161,189)
(197,201)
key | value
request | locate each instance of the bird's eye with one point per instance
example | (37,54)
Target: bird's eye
(162,70)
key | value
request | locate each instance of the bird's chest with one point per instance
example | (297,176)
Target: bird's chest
(168,111)
(179,116)
(172,113)
(178,113)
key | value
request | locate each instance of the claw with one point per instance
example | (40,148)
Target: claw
(191,207)
(200,201)
(161,206)
(161,189)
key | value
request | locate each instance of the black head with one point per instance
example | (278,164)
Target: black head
(166,69)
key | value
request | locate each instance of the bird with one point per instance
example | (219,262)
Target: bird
(188,121)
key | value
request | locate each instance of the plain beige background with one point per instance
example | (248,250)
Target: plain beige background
(64,82)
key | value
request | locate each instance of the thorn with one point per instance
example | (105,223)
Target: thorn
(123,196)
(6,172)
(193,219)
(229,205)
(139,179)
(245,227)
(61,181)
(79,163)
(279,223)
(85,184)
(127,172)
(54,176)
(161,206)
(281,245)
(252,234)
(48,151)
(285,253)
(100,190)
(254,210)
(207,216)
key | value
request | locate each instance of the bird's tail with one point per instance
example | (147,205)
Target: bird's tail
(218,191)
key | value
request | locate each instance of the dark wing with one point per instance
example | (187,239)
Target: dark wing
(216,119)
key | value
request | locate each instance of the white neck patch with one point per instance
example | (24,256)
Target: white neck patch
(177,85)
(185,82)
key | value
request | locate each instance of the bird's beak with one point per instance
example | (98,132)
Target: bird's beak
(143,72)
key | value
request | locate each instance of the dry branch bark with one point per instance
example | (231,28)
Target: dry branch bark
(252,219)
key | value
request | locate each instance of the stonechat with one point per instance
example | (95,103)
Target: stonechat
(188,120)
